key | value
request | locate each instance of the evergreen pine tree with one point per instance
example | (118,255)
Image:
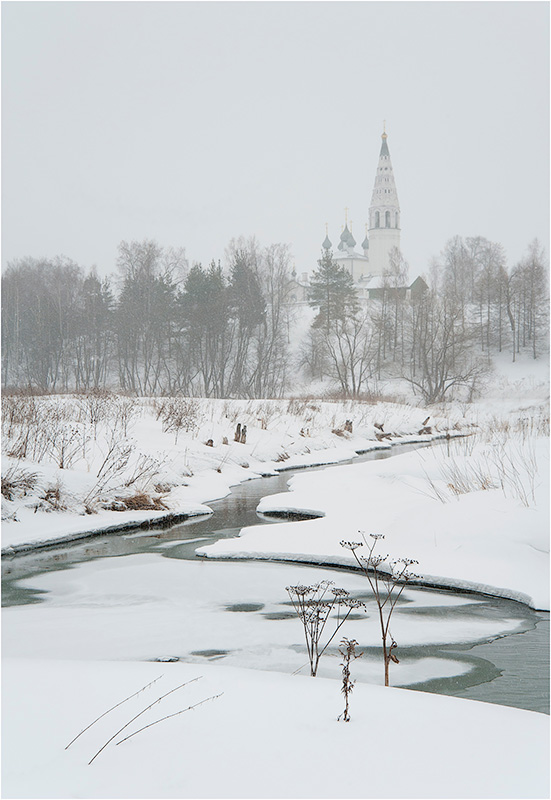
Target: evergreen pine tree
(332,291)
(246,299)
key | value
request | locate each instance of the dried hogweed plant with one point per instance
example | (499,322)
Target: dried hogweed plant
(386,587)
(314,606)
(347,649)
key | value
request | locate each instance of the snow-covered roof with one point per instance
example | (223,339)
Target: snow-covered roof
(351,254)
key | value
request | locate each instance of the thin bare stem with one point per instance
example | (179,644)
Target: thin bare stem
(386,599)
(112,709)
(169,716)
(158,700)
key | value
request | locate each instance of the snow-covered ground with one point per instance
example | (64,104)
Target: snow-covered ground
(182,471)
(490,539)
(268,735)
(473,511)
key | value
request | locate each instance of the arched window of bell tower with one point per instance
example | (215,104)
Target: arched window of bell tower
(387,219)
(377,220)
(397,220)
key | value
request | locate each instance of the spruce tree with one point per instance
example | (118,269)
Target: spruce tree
(332,291)
(245,294)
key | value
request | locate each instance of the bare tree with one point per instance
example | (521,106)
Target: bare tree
(350,352)
(395,280)
(534,272)
(269,368)
(441,350)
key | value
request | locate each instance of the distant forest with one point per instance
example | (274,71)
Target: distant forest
(162,327)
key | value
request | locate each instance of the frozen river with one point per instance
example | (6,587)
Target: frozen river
(146,596)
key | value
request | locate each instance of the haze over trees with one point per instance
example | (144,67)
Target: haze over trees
(440,339)
(159,327)
(162,327)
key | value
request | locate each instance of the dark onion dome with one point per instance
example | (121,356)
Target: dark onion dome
(365,243)
(346,238)
(327,244)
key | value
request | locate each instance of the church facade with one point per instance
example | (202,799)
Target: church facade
(382,235)
(382,229)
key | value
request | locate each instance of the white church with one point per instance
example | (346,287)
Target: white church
(381,236)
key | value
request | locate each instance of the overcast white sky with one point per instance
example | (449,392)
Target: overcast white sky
(194,122)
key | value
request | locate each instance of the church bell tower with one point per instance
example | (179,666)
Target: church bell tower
(384,213)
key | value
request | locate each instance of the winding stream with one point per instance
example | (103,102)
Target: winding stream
(145,595)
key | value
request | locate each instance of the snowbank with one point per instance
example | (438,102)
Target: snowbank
(488,539)
(491,540)
(268,735)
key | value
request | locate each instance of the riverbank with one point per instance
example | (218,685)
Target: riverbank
(59,673)
(473,512)
(489,538)
(129,475)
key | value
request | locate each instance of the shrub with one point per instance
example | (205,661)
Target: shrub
(17,481)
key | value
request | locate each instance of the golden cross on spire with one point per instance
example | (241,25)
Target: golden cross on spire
(350,223)
(346,215)
(326,231)
(384,126)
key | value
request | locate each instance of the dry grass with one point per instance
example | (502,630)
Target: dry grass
(52,500)
(17,482)
(500,455)
(138,502)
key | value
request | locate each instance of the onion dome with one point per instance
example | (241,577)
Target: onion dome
(384,146)
(327,244)
(365,243)
(345,236)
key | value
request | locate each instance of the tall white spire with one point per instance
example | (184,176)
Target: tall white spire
(384,213)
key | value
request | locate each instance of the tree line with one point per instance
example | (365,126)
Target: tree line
(161,327)
(440,338)
(157,327)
